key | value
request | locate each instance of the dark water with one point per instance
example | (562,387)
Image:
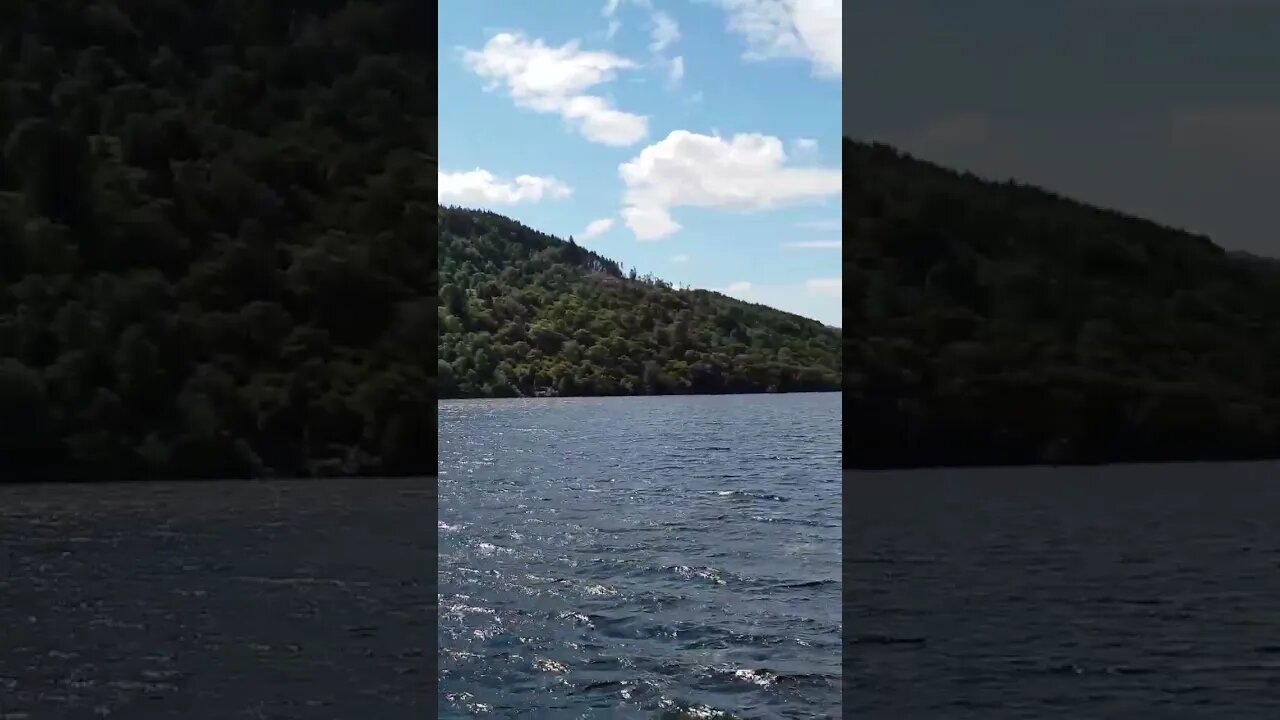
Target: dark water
(211,601)
(1126,592)
(640,557)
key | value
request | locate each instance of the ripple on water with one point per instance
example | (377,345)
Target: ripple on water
(611,557)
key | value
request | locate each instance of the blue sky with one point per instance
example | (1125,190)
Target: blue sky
(1167,109)
(699,139)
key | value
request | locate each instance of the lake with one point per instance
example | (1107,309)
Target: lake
(1115,592)
(194,601)
(640,557)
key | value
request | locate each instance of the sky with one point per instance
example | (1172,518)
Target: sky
(697,140)
(1166,109)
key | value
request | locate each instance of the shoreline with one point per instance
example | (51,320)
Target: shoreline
(633,395)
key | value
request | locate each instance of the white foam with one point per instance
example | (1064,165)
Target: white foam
(756,677)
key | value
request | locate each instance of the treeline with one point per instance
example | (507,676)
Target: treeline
(215,255)
(523,313)
(994,323)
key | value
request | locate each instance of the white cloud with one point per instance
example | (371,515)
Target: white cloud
(665,32)
(808,29)
(679,258)
(797,298)
(675,71)
(480,187)
(746,173)
(554,80)
(820,224)
(814,245)
(613,29)
(805,145)
(649,223)
(824,287)
(596,228)
(610,7)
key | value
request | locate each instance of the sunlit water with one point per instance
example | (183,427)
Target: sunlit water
(640,557)
(1119,592)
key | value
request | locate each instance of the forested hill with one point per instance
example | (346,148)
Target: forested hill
(992,323)
(215,239)
(524,313)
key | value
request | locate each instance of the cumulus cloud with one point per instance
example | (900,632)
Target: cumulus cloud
(805,145)
(649,223)
(806,29)
(746,173)
(549,79)
(596,228)
(679,258)
(480,187)
(665,31)
(814,245)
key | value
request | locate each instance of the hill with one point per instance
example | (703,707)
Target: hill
(524,313)
(993,323)
(214,255)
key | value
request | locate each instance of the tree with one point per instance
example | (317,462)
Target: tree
(551,314)
(995,323)
(27,448)
(194,281)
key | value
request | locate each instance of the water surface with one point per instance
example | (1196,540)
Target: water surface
(640,557)
(1117,592)
(216,600)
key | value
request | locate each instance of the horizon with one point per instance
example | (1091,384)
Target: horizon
(1160,109)
(636,129)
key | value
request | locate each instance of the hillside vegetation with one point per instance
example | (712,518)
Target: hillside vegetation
(993,323)
(215,255)
(524,313)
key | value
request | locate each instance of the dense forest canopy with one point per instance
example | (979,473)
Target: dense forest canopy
(215,255)
(524,313)
(994,323)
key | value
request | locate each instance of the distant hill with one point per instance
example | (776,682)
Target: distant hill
(996,323)
(525,313)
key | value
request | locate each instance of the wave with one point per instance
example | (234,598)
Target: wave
(715,575)
(750,495)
